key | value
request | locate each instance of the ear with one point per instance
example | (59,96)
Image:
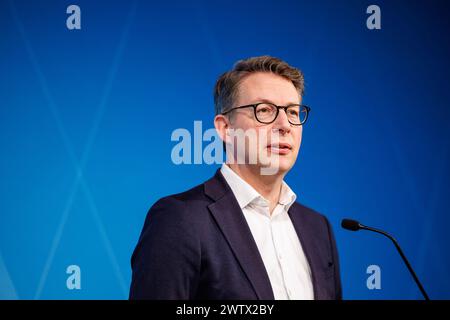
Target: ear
(222,124)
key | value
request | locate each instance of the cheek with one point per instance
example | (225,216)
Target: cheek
(298,136)
(244,123)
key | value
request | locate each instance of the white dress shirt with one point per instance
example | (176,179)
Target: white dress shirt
(276,239)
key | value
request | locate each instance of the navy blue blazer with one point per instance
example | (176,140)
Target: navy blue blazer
(198,245)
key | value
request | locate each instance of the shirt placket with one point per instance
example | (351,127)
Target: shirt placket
(276,236)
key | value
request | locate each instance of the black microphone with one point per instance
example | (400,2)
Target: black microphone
(353,225)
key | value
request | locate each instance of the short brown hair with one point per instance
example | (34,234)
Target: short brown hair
(227,86)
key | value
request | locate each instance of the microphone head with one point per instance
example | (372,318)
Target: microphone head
(350,224)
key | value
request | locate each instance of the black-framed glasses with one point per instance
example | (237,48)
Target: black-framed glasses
(266,112)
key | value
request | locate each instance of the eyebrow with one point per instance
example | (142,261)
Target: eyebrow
(269,101)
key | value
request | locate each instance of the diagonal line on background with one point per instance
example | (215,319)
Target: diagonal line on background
(8,291)
(79,178)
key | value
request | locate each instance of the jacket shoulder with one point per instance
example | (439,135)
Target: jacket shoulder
(182,206)
(307,213)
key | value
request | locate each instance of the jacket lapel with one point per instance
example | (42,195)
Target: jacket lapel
(310,248)
(232,223)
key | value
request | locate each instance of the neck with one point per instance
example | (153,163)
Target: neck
(269,186)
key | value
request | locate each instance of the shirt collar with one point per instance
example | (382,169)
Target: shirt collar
(287,196)
(246,194)
(243,192)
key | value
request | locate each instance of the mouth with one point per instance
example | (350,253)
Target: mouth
(280,148)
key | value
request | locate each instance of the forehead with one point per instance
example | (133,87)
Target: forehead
(268,86)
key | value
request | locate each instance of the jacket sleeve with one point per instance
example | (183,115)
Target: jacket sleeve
(337,273)
(166,261)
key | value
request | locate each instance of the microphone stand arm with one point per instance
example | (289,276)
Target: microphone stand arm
(405,260)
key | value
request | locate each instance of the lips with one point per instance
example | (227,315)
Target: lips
(281,148)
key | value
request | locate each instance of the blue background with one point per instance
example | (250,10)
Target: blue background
(86,118)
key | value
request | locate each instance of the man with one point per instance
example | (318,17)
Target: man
(241,235)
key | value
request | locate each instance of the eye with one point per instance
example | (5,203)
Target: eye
(264,109)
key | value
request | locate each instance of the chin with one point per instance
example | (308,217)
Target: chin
(282,167)
(285,166)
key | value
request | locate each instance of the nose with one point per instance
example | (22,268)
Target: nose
(281,123)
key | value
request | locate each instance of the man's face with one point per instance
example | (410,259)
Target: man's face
(278,140)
